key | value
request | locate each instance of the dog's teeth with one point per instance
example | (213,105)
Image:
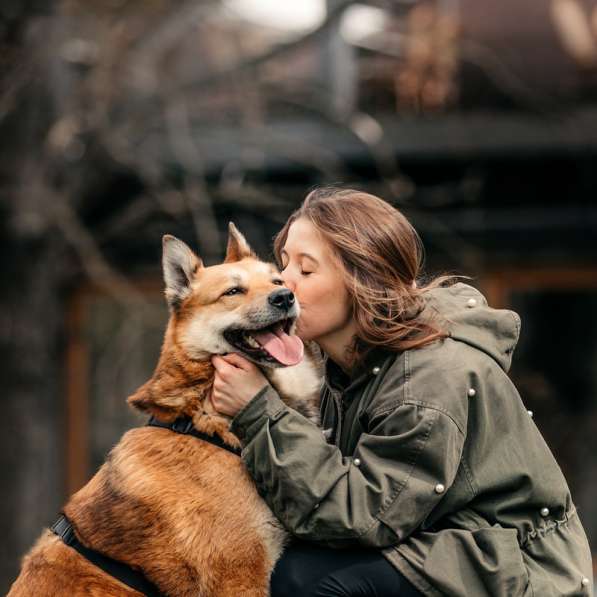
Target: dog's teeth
(251,341)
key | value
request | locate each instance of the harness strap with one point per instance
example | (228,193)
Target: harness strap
(185,426)
(123,572)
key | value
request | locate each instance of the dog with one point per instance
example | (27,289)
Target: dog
(177,510)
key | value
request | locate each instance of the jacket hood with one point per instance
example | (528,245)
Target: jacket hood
(469,319)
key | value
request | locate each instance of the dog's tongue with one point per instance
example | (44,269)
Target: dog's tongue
(286,349)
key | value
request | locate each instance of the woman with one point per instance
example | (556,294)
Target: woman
(434,479)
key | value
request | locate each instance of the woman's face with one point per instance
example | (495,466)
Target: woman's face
(314,274)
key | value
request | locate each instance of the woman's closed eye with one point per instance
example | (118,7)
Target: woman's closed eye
(303,271)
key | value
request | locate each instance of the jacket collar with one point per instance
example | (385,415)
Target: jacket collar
(337,380)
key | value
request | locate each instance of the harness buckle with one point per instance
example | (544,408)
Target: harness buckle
(63,528)
(182,425)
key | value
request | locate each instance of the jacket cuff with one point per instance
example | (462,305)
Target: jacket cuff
(265,405)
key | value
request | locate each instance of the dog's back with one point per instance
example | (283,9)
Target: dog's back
(182,510)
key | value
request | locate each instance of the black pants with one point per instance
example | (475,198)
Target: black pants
(307,570)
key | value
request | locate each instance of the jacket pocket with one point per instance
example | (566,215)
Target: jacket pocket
(486,561)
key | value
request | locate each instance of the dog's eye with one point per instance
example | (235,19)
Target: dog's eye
(278,282)
(233,291)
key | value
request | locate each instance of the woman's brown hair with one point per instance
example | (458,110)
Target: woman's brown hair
(382,255)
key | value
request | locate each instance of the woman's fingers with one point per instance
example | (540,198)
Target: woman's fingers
(238,361)
(223,368)
(219,363)
(218,395)
(236,382)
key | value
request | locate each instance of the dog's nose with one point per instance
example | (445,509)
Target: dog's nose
(282,299)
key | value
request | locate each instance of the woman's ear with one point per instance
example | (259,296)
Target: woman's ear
(179,265)
(238,248)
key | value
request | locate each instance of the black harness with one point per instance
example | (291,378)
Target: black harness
(184,425)
(123,572)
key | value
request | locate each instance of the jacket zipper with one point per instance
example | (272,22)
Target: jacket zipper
(337,396)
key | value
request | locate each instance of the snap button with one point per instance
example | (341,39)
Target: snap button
(530,413)
(472,392)
(357,462)
(471,303)
(439,488)
(544,512)
(375,370)
(585,581)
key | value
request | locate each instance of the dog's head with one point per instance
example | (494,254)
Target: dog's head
(239,306)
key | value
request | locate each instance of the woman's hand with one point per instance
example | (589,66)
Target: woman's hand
(237,380)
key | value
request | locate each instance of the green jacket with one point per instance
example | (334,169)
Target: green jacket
(434,458)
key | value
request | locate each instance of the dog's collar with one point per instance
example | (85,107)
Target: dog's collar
(185,426)
(134,579)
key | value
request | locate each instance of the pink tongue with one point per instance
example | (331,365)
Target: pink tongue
(286,349)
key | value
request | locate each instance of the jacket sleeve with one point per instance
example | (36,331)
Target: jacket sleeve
(406,461)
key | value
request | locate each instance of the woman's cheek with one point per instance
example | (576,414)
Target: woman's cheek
(300,324)
(303,329)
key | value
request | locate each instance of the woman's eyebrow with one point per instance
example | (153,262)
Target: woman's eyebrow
(302,255)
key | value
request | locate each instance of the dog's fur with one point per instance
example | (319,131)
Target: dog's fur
(182,510)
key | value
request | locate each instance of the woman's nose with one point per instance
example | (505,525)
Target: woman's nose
(288,280)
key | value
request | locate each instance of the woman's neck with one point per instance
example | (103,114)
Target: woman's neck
(337,345)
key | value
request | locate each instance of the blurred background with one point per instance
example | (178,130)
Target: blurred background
(122,120)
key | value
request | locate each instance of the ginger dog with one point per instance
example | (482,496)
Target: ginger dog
(180,510)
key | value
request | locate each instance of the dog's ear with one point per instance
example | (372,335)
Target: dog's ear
(179,265)
(238,248)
